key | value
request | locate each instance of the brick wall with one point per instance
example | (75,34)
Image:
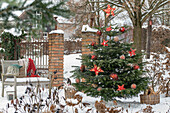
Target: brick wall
(56,56)
(88,38)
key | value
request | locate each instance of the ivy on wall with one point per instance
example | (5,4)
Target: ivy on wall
(11,45)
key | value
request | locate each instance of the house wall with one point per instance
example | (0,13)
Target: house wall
(67,28)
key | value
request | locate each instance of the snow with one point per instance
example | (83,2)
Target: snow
(86,28)
(73,101)
(2,49)
(27,79)
(80,94)
(57,31)
(17,13)
(168,49)
(13,31)
(156,27)
(76,40)
(69,61)
(88,99)
(62,20)
(4,5)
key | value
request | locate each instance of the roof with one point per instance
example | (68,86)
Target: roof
(86,28)
(62,20)
(13,31)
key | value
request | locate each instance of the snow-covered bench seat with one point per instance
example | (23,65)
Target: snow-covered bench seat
(20,78)
(27,80)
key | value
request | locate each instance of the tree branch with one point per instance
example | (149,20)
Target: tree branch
(129,12)
(157,6)
(118,5)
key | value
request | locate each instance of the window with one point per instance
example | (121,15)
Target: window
(45,35)
(37,15)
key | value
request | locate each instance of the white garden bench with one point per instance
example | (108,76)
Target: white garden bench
(20,79)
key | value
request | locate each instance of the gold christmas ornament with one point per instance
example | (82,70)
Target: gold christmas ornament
(116,38)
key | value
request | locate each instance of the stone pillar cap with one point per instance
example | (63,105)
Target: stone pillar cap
(57,32)
(86,28)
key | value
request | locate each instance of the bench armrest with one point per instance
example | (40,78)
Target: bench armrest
(2,74)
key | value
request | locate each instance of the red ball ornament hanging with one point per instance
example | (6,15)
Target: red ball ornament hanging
(122,29)
(93,43)
(99,33)
(136,67)
(99,88)
(82,68)
(77,80)
(93,57)
(133,86)
(114,76)
(122,57)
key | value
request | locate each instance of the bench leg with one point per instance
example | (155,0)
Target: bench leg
(15,87)
(50,85)
(2,86)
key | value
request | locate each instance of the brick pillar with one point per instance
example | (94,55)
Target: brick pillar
(88,36)
(56,55)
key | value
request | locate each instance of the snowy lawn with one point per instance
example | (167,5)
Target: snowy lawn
(69,61)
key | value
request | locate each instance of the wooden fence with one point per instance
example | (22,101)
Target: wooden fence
(72,46)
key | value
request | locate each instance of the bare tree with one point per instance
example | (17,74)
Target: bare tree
(139,11)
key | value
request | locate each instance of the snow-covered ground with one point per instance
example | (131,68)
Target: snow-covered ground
(69,61)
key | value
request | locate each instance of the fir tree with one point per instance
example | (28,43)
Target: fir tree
(113,70)
(46,8)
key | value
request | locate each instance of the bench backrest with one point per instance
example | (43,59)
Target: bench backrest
(6,63)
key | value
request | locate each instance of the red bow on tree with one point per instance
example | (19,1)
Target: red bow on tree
(96,70)
(104,43)
(132,52)
(109,10)
(109,29)
(120,88)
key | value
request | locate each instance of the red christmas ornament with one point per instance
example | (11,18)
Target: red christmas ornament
(104,43)
(120,88)
(93,43)
(114,76)
(122,57)
(109,29)
(109,10)
(77,80)
(99,33)
(99,88)
(133,86)
(93,57)
(122,29)
(96,70)
(116,38)
(132,52)
(136,67)
(82,68)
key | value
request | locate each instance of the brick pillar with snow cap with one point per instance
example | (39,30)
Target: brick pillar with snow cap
(56,55)
(88,36)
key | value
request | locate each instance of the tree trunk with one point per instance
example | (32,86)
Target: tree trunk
(137,36)
(149,35)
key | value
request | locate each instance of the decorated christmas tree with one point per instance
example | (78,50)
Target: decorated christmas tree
(113,70)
